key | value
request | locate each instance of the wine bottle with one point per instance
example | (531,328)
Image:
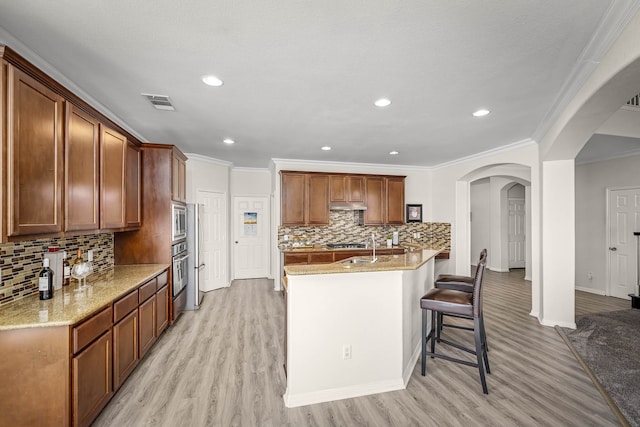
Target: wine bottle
(45,280)
(66,268)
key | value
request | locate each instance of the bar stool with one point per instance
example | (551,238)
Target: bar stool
(454,302)
(464,284)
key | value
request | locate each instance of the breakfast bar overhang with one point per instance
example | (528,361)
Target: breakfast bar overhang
(353,329)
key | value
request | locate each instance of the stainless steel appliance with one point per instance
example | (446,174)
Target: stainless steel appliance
(180,258)
(346,245)
(195,266)
(178,222)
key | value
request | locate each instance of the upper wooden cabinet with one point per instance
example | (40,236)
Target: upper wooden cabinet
(113,155)
(133,210)
(395,200)
(385,200)
(305,198)
(82,171)
(347,188)
(178,177)
(34,156)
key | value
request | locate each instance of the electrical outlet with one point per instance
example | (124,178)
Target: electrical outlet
(590,275)
(346,352)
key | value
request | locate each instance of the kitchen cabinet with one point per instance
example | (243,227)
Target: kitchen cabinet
(347,188)
(34,156)
(178,177)
(133,211)
(113,154)
(91,367)
(395,200)
(125,338)
(385,200)
(326,256)
(305,198)
(147,332)
(162,309)
(82,170)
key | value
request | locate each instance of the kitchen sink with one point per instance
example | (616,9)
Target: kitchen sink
(358,261)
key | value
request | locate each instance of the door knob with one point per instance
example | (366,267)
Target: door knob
(613,248)
(236,242)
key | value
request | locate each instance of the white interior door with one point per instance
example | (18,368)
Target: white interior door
(251,237)
(624,220)
(517,233)
(213,246)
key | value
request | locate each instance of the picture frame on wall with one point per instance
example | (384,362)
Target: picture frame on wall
(414,213)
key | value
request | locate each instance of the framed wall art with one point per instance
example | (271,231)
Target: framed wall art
(414,213)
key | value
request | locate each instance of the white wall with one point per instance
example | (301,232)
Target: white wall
(251,182)
(480,217)
(592,180)
(206,174)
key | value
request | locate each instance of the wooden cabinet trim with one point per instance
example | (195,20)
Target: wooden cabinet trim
(125,348)
(125,305)
(147,290)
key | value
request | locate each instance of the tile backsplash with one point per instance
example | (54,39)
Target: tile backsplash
(343,228)
(20,262)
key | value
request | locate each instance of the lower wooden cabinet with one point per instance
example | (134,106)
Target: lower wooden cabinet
(125,348)
(147,331)
(162,309)
(92,380)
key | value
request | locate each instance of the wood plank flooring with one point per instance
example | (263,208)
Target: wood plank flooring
(222,366)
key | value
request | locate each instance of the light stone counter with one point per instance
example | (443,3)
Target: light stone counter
(68,305)
(408,261)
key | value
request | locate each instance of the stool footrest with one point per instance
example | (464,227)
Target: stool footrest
(458,346)
(448,325)
(451,359)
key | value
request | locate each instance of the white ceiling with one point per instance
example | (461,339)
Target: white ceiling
(301,74)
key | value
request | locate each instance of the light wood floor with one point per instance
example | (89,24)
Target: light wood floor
(222,366)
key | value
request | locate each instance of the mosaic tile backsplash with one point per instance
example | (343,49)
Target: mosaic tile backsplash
(21,262)
(343,228)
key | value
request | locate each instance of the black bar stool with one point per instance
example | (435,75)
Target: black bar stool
(460,303)
(464,284)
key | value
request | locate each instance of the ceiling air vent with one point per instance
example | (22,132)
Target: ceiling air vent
(160,102)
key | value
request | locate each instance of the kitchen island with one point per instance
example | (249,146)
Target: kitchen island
(353,329)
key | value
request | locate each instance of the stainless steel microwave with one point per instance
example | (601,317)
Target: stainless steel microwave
(178,221)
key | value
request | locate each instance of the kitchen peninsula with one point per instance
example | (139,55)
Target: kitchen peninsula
(353,328)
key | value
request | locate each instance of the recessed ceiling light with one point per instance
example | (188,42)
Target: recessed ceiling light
(382,102)
(229,141)
(480,113)
(393,153)
(212,80)
(326,148)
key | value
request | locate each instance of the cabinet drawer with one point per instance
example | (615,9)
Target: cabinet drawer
(147,290)
(322,258)
(124,306)
(296,259)
(91,329)
(163,279)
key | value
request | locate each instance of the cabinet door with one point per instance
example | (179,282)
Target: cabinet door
(318,200)
(296,258)
(293,194)
(81,170)
(355,189)
(125,348)
(395,200)
(133,185)
(112,184)
(321,258)
(375,194)
(162,310)
(178,179)
(337,186)
(35,167)
(147,319)
(92,380)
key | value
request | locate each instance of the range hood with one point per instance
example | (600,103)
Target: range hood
(347,206)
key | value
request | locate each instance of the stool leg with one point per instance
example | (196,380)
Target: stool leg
(433,330)
(440,320)
(484,333)
(477,333)
(424,341)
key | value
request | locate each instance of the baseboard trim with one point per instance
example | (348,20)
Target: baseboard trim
(554,323)
(328,395)
(408,370)
(499,270)
(591,290)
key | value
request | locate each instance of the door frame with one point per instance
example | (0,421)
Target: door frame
(608,191)
(227,247)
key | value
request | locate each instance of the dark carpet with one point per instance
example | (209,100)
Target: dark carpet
(609,344)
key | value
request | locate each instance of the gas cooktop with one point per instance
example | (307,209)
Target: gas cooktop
(346,245)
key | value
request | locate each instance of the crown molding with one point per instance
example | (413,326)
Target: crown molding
(253,170)
(352,166)
(513,146)
(199,157)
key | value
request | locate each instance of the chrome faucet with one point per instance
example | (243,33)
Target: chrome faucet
(373,243)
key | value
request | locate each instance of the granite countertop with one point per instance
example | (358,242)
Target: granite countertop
(411,260)
(69,305)
(323,248)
